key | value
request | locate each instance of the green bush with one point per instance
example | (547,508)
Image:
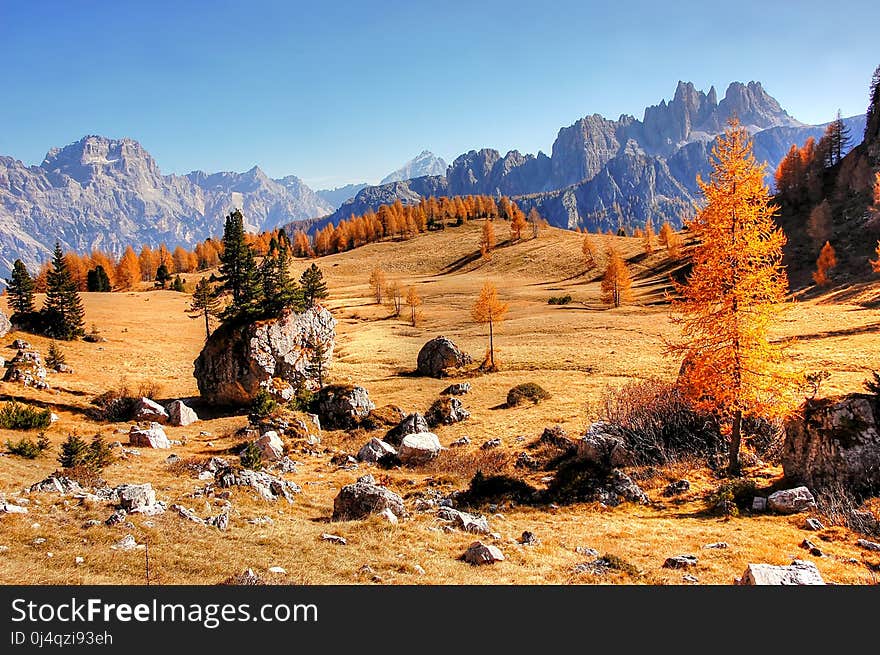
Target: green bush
(527,391)
(15,416)
(76,453)
(251,457)
(263,405)
(731,497)
(559,300)
(27,447)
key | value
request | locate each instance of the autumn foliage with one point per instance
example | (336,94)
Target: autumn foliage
(826,261)
(489,310)
(616,282)
(735,290)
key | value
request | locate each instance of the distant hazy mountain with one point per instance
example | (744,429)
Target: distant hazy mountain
(425,163)
(109,193)
(605,173)
(335,197)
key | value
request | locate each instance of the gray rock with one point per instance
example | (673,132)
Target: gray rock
(411,424)
(461,441)
(759,504)
(479,553)
(806,544)
(680,562)
(8,508)
(676,487)
(58,484)
(718,545)
(439,355)
(813,524)
(334,539)
(181,414)
(457,389)
(791,501)
(27,368)
(868,545)
(136,497)
(446,411)
(21,344)
(343,407)
(270,445)
(187,514)
(599,446)
(417,449)
(798,573)
(529,539)
(365,497)
(5,325)
(464,521)
(268,486)
(389,516)
(834,442)
(148,437)
(374,450)
(149,411)
(239,360)
(221,521)
(116,517)
(128,542)
(491,444)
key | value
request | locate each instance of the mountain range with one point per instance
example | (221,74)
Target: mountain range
(601,174)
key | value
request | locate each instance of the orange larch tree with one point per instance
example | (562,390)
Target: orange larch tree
(665,231)
(128,270)
(648,236)
(736,288)
(591,252)
(487,239)
(616,282)
(413,301)
(489,310)
(377,283)
(517,224)
(826,261)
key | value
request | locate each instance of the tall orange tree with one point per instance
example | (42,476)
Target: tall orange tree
(616,282)
(826,261)
(487,238)
(489,309)
(736,288)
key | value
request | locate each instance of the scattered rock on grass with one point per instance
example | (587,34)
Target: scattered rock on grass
(798,573)
(457,389)
(439,355)
(676,487)
(365,497)
(479,553)
(417,449)
(791,501)
(181,414)
(411,424)
(374,450)
(868,545)
(465,521)
(148,437)
(446,411)
(149,411)
(680,562)
(813,524)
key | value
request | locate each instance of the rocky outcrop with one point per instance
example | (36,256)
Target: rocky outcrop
(439,355)
(239,360)
(343,407)
(270,445)
(27,368)
(791,501)
(5,325)
(374,450)
(446,411)
(603,448)
(365,497)
(268,486)
(149,410)
(834,442)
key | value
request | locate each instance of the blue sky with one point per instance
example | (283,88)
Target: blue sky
(338,92)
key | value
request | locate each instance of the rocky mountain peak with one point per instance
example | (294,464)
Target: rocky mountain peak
(425,163)
(97,156)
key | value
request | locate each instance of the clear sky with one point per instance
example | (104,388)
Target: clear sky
(336,91)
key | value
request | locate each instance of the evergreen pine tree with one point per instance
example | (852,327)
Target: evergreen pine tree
(162,276)
(55,357)
(20,288)
(280,290)
(205,304)
(177,284)
(316,366)
(239,274)
(97,280)
(63,309)
(74,452)
(313,286)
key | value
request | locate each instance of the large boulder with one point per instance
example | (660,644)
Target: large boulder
(181,414)
(791,501)
(270,445)
(148,437)
(419,448)
(411,424)
(601,447)
(446,411)
(239,360)
(440,354)
(268,486)
(342,406)
(798,573)
(834,442)
(5,325)
(365,497)
(479,553)
(374,450)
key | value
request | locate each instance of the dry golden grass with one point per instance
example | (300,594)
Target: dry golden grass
(573,351)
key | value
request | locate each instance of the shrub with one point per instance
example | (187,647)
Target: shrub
(263,405)
(77,454)
(27,447)
(74,452)
(527,391)
(559,300)
(731,497)
(16,416)
(303,399)
(55,357)
(497,488)
(251,457)
(658,424)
